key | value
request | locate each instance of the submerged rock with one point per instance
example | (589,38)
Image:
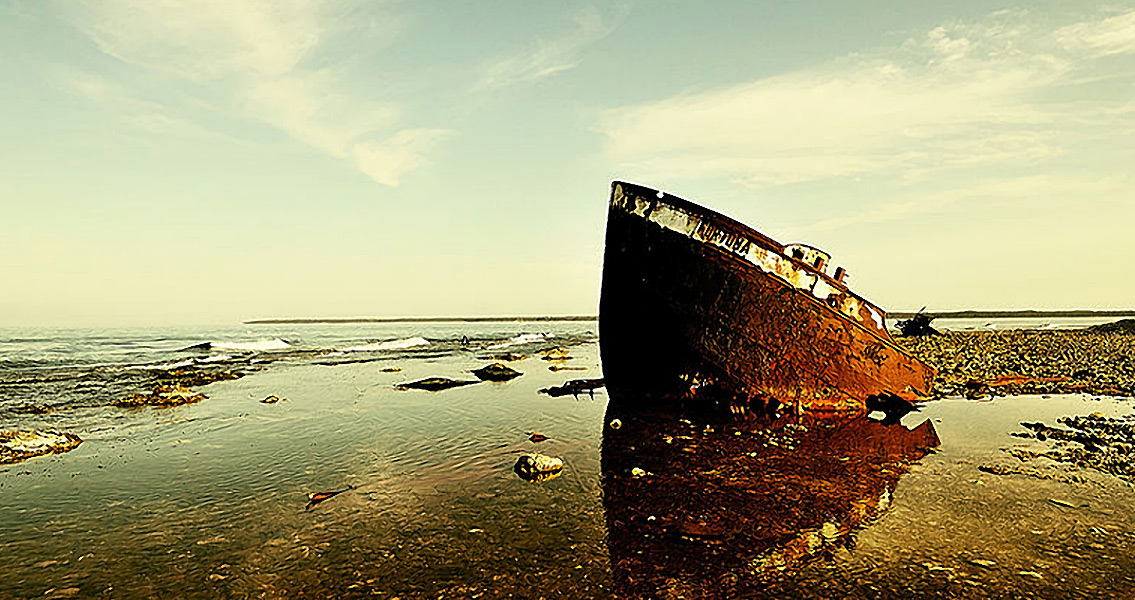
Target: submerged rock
(506,356)
(538,467)
(433,384)
(22,444)
(496,372)
(193,377)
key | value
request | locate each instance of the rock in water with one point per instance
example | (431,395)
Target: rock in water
(537,467)
(496,372)
(22,444)
(574,387)
(433,384)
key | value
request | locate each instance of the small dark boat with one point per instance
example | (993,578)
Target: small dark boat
(695,304)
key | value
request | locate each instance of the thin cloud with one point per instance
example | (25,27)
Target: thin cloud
(256,61)
(388,161)
(960,97)
(550,56)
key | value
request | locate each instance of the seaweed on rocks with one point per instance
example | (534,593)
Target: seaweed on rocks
(21,444)
(161,396)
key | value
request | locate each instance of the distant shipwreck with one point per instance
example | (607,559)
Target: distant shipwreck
(696,305)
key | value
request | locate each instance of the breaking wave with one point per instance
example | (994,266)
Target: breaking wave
(524,338)
(257,346)
(391,345)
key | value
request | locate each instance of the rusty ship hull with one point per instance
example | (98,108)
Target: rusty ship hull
(695,304)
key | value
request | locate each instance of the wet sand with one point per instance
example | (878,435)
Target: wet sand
(207,500)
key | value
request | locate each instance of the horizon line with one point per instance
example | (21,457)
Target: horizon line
(956,314)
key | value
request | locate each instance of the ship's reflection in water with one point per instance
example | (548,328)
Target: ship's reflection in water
(716,507)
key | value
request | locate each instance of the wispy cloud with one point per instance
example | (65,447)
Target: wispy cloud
(959,97)
(262,61)
(550,56)
(1112,35)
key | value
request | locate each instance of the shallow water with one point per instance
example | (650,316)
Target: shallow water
(207,500)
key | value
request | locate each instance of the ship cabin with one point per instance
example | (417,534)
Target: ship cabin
(815,259)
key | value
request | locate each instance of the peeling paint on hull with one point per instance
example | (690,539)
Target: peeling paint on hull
(694,301)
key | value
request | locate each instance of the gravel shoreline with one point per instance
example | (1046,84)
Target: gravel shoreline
(977,364)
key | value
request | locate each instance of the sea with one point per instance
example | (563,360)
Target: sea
(213,499)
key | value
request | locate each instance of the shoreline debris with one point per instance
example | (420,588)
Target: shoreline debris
(314,498)
(918,325)
(563,367)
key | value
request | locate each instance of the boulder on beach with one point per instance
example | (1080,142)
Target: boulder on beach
(433,384)
(21,444)
(496,372)
(538,467)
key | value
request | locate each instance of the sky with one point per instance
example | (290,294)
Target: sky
(209,161)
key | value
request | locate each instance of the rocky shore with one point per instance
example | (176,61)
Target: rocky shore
(980,364)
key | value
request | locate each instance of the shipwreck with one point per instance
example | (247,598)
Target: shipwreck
(696,305)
